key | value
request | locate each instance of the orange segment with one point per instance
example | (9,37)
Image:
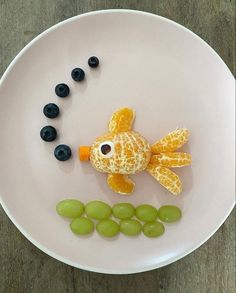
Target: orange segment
(171,142)
(84,153)
(166,178)
(121,120)
(172,159)
(120,183)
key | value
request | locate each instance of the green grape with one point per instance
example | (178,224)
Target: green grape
(98,210)
(130,227)
(153,229)
(146,213)
(70,208)
(123,211)
(82,226)
(169,214)
(108,228)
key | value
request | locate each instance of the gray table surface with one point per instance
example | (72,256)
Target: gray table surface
(23,267)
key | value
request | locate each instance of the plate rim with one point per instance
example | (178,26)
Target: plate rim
(38,244)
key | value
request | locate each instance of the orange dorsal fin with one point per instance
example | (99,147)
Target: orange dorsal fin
(121,120)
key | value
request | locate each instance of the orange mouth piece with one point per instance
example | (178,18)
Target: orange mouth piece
(84,153)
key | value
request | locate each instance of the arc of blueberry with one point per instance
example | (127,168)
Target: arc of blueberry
(48,133)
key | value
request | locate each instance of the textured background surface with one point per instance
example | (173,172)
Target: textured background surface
(23,268)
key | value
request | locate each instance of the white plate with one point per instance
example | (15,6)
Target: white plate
(171,78)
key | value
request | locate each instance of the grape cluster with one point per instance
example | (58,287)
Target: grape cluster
(123,212)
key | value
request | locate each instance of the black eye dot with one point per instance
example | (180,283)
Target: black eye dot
(105,149)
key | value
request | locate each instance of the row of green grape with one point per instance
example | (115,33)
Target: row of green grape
(124,212)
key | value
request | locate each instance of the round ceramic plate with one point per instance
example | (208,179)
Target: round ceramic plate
(171,78)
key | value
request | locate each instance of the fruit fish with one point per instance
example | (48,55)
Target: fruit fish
(122,152)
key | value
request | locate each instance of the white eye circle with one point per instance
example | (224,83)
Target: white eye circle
(107,149)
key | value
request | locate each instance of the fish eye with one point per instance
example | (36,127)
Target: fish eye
(106,149)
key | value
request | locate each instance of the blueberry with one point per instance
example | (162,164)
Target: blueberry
(77,74)
(62,152)
(51,110)
(48,133)
(93,61)
(62,90)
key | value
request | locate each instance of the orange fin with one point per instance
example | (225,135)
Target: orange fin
(171,159)
(166,178)
(171,142)
(121,121)
(120,183)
